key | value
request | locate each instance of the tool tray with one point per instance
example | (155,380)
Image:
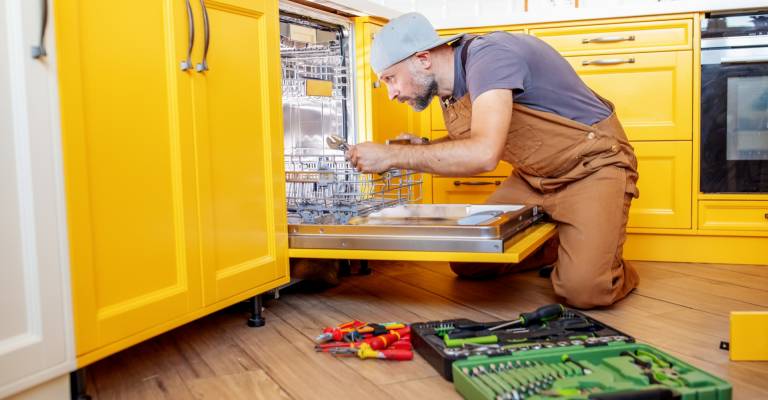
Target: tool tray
(614,371)
(573,328)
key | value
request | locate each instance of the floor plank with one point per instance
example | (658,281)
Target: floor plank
(289,358)
(680,308)
(241,386)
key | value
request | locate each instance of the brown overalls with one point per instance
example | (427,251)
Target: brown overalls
(584,178)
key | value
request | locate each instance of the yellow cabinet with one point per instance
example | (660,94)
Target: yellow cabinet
(447,190)
(174,195)
(436,116)
(616,38)
(652,92)
(733,215)
(239,145)
(665,186)
(381,117)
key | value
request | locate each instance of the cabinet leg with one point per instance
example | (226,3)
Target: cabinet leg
(345,268)
(364,268)
(256,319)
(77,385)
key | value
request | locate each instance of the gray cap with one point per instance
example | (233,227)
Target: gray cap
(401,38)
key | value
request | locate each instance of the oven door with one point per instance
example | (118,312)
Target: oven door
(734,120)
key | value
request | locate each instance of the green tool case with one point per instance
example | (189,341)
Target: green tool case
(614,371)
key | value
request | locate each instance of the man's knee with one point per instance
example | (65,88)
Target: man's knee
(583,289)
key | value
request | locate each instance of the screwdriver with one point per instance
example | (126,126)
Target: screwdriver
(545,313)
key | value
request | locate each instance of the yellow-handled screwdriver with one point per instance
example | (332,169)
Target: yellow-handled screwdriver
(545,313)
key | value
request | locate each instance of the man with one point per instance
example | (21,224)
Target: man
(512,97)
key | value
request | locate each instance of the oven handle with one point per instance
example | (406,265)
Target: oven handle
(744,59)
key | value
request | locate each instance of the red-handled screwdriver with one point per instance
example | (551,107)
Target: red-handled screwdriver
(382,341)
(395,355)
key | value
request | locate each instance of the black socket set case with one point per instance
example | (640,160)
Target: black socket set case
(573,328)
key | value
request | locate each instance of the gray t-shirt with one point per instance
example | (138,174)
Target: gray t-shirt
(538,76)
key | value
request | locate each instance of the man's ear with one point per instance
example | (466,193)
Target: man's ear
(423,58)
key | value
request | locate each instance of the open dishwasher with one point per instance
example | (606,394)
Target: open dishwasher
(335,211)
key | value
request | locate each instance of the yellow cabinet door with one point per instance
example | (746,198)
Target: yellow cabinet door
(447,190)
(615,38)
(126,123)
(652,92)
(382,118)
(239,147)
(436,116)
(665,186)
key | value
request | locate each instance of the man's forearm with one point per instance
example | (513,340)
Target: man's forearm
(462,157)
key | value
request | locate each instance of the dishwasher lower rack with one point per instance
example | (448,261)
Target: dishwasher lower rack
(421,227)
(326,189)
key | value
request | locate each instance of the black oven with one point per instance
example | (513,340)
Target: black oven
(734,103)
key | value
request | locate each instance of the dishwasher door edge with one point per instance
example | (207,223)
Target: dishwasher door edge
(521,246)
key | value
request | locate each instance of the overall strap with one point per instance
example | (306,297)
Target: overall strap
(464,51)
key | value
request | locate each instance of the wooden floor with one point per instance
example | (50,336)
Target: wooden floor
(680,308)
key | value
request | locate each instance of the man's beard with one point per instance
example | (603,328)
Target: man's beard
(429,85)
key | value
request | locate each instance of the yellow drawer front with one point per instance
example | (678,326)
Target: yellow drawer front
(463,190)
(733,215)
(665,186)
(615,38)
(652,92)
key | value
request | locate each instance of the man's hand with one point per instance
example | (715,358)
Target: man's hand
(370,157)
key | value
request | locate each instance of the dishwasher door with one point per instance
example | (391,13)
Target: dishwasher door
(428,232)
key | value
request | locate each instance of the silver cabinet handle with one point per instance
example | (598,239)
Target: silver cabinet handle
(609,61)
(744,59)
(38,51)
(187,64)
(476,183)
(609,39)
(202,66)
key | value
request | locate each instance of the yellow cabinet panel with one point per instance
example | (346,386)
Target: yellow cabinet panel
(733,215)
(652,92)
(447,190)
(126,118)
(665,185)
(436,116)
(382,118)
(242,207)
(613,38)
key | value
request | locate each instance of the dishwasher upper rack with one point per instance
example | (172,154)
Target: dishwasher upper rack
(326,189)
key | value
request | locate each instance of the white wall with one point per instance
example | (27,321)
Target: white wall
(469,13)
